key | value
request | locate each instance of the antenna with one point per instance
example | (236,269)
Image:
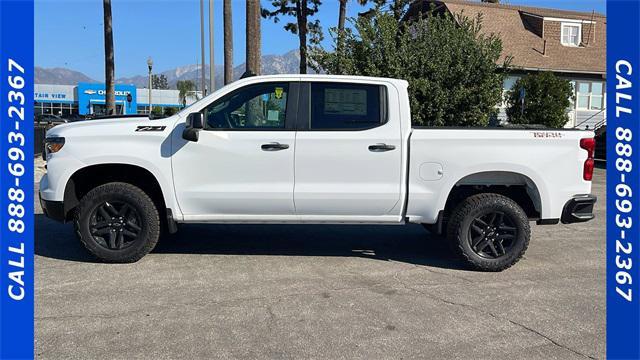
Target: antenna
(247,74)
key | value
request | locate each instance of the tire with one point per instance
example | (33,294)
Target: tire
(489,231)
(117,223)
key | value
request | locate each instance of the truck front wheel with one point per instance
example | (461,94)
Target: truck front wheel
(490,231)
(117,222)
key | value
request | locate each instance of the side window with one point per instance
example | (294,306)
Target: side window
(261,106)
(336,106)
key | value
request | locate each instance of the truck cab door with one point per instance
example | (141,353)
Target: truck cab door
(348,159)
(242,166)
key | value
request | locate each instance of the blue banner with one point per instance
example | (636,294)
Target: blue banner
(623,181)
(16,179)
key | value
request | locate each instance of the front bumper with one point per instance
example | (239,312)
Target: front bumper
(578,209)
(52,209)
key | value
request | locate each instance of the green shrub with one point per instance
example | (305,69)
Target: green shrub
(170,111)
(156,110)
(546,100)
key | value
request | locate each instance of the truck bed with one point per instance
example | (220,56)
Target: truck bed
(549,162)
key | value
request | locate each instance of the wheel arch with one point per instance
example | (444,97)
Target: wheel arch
(89,177)
(515,185)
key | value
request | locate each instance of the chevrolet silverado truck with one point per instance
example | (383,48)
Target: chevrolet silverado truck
(313,149)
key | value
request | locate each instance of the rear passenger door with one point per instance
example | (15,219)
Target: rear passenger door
(348,152)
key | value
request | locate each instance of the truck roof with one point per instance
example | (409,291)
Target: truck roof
(321,77)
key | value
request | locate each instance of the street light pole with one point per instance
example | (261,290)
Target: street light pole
(202,83)
(150,64)
(211,61)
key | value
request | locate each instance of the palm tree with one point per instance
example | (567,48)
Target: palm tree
(109,63)
(253,54)
(228,42)
(185,87)
(342,13)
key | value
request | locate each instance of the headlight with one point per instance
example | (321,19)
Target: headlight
(53,145)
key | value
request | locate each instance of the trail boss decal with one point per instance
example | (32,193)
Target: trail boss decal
(547,134)
(150,128)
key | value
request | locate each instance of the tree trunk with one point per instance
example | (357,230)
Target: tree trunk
(228,42)
(253,37)
(109,63)
(252,110)
(301,14)
(341,19)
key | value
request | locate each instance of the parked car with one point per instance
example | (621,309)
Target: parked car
(74,117)
(314,149)
(49,119)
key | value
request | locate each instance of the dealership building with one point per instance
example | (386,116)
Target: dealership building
(89,98)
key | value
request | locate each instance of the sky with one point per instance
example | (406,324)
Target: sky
(69,33)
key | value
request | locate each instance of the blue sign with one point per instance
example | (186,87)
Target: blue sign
(623,180)
(16,179)
(90,95)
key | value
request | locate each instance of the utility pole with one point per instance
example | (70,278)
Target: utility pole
(212,82)
(202,82)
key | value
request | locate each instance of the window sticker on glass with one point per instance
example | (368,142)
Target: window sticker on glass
(345,101)
(273,115)
(278,92)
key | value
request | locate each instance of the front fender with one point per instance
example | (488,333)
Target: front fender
(63,165)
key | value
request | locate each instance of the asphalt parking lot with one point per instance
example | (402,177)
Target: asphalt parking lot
(275,291)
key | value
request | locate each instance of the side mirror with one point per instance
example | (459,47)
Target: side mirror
(194,123)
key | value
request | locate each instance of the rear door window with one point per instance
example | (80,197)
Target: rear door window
(337,106)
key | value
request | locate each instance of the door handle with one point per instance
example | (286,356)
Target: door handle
(274,146)
(381,147)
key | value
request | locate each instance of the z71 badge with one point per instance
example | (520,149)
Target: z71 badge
(150,128)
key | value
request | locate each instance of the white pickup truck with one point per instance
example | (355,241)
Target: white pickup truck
(313,149)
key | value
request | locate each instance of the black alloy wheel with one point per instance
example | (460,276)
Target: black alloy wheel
(117,222)
(115,225)
(489,231)
(492,235)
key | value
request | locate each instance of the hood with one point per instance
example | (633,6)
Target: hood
(111,126)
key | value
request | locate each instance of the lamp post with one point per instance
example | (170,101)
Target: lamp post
(150,64)
(212,83)
(202,87)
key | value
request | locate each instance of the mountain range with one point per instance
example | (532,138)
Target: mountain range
(60,76)
(287,63)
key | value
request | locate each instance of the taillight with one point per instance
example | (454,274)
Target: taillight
(587,172)
(588,144)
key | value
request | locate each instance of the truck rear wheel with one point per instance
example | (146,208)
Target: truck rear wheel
(490,231)
(117,222)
